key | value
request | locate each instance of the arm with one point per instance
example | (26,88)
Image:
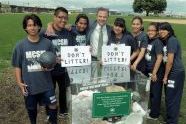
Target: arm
(19,81)
(156,67)
(50,30)
(139,58)
(68,27)
(170,58)
(134,55)
(17,64)
(134,48)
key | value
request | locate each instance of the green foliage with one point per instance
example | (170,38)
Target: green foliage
(149,6)
(11,31)
(160,6)
(137,6)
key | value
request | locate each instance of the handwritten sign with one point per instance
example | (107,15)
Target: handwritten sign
(116,54)
(116,73)
(75,56)
(79,74)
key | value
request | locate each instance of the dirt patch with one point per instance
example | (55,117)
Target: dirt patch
(175,21)
(12,103)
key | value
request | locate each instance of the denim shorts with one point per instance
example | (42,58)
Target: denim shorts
(45,98)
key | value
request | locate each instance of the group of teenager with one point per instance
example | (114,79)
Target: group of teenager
(156,53)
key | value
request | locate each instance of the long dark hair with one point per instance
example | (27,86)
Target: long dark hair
(167,26)
(82,16)
(121,23)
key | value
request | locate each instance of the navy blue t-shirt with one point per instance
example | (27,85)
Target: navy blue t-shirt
(126,39)
(154,48)
(172,45)
(80,37)
(25,56)
(142,41)
(61,38)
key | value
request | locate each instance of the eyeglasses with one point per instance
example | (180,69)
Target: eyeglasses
(62,17)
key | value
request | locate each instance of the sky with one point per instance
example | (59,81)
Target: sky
(175,6)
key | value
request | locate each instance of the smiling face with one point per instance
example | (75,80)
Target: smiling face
(136,26)
(163,34)
(102,17)
(31,28)
(60,20)
(152,31)
(118,30)
(81,25)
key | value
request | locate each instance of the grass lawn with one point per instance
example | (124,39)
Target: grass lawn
(11,31)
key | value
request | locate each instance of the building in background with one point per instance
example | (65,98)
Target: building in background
(89,10)
(6,8)
(112,12)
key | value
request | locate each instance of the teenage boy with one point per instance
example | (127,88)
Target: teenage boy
(61,37)
(34,82)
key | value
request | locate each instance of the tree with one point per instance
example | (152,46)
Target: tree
(154,6)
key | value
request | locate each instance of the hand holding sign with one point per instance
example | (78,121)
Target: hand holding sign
(116,54)
(75,56)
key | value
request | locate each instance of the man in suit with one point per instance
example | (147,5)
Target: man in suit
(99,33)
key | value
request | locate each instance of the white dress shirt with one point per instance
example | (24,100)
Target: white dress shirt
(94,39)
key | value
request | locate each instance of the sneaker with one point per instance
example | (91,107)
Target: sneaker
(112,119)
(151,118)
(162,120)
(63,115)
(47,119)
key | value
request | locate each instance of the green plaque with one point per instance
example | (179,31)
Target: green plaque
(111,104)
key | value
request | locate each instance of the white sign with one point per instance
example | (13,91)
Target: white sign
(111,73)
(79,75)
(116,54)
(75,56)
(116,73)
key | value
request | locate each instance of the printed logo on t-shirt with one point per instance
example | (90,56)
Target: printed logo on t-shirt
(164,54)
(57,43)
(32,57)
(147,55)
(81,40)
(170,83)
(139,43)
